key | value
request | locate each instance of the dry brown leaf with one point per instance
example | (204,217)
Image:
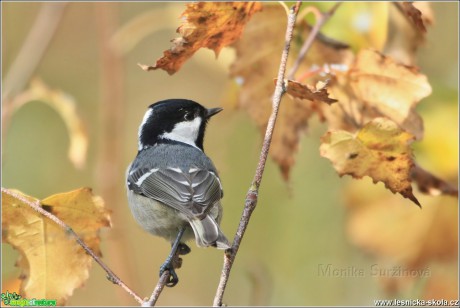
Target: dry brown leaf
(213,25)
(430,184)
(52,263)
(257,62)
(379,150)
(302,91)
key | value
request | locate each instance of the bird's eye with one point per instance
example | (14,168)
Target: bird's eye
(188,116)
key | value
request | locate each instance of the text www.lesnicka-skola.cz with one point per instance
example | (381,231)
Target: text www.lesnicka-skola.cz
(415,302)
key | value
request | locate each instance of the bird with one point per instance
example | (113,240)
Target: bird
(174,190)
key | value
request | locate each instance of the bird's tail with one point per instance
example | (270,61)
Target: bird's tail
(208,233)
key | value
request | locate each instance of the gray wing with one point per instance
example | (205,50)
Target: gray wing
(193,193)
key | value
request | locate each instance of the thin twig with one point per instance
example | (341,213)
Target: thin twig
(110,275)
(164,279)
(158,289)
(321,19)
(251,197)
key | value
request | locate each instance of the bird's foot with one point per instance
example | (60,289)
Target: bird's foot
(169,266)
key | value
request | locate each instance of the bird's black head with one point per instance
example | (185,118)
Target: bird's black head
(175,120)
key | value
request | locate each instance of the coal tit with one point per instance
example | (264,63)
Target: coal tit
(174,190)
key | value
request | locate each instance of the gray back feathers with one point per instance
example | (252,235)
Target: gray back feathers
(178,175)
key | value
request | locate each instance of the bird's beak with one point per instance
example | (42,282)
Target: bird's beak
(213,111)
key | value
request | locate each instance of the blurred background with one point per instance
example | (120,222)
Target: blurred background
(308,239)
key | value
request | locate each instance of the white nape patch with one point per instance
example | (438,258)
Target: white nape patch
(144,176)
(186,132)
(147,115)
(191,170)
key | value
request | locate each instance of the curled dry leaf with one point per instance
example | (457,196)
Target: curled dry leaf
(65,106)
(213,25)
(379,150)
(302,91)
(257,62)
(52,263)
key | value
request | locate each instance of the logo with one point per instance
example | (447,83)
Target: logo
(14,299)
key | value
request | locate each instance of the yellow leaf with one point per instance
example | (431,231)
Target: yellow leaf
(380,150)
(52,263)
(213,25)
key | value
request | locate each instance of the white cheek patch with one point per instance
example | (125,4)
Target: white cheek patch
(147,115)
(186,132)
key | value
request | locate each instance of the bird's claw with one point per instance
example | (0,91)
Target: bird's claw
(172,279)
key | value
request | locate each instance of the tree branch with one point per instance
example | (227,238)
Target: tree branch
(110,275)
(321,19)
(252,195)
(158,289)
